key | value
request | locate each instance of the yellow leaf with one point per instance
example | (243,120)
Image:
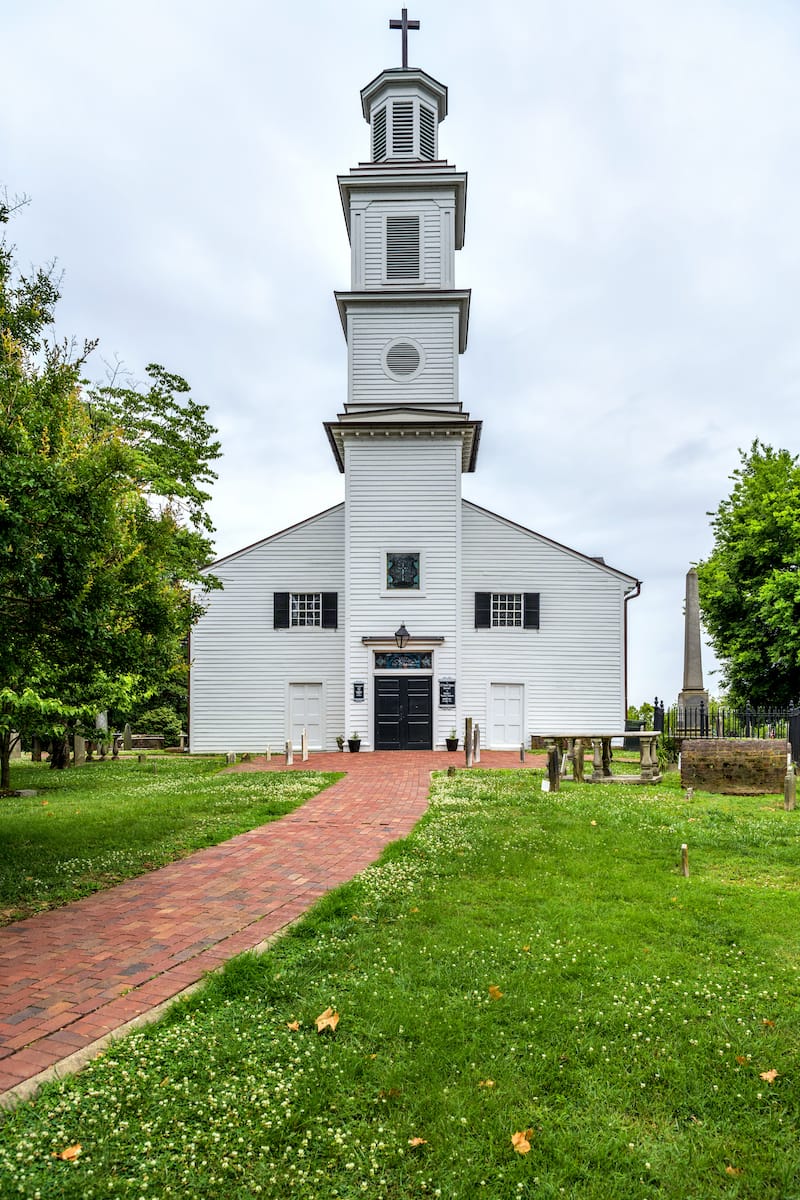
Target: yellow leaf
(594,822)
(414,910)
(327,1020)
(766,1021)
(733,1170)
(520,1141)
(486,1083)
(417,1141)
(526,949)
(70,1154)
(494,992)
(293,1025)
(769,1076)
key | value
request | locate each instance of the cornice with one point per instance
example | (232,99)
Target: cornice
(411,298)
(401,175)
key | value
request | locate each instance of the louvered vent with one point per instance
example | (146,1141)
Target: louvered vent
(402,358)
(427,132)
(402,127)
(402,247)
(379,135)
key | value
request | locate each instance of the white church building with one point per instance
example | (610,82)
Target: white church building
(405,609)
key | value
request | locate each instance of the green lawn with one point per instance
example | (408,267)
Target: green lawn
(91,827)
(523,963)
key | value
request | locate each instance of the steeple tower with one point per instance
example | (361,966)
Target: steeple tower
(402,439)
(404,319)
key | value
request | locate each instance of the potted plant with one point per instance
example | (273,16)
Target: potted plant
(340,742)
(354,743)
(452,741)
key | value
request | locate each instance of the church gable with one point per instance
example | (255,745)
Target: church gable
(406,609)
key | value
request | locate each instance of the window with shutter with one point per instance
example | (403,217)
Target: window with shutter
(427,132)
(402,248)
(402,127)
(379,135)
(507,610)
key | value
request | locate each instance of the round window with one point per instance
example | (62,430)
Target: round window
(403,359)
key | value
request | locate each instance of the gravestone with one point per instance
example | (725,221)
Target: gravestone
(79,751)
(16,745)
(127,737)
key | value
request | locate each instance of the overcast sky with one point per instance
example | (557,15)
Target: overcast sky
(633,243)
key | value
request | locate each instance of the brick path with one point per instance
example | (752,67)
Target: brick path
(71,977)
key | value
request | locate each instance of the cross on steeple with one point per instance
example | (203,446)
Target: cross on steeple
(405,25)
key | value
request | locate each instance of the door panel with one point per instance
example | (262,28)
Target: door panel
(305,712)
(404,713)
(506,716)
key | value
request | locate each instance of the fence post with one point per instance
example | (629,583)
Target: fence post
(468,741)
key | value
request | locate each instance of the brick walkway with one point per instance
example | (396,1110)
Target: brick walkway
(71,978)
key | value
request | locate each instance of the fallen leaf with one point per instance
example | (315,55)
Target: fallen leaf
(293,1025)
(486,1083)
(390,1094)
(414,910)
(520,1141)
(733,1170)
(594,822)
(70,1154)
(417,1141)
(526,949)
(695,1120)
(769,1076)
(766,1021)
(327,1020)
(741,1059)
(495,992)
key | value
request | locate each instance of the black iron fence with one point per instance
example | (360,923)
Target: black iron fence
(721,721)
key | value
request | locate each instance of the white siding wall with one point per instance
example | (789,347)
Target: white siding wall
(436,330)
(572,667)
(242,667)
(403,495)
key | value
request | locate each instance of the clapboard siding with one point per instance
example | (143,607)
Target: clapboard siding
(402,496)
(242,667)
(572,667)
(374,234)
(436,332)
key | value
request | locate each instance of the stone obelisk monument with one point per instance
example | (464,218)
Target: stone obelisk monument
(694,694)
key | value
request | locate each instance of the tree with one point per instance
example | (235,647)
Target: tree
(750,584)
(102,522)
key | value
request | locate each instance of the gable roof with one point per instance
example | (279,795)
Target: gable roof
(326,512)
(598,563)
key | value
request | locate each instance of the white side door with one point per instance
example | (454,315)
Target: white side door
(505,716)
(305,712)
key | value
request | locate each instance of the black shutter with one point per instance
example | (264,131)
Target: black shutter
(330,610)
(483,610)
(280,610)
(530,619)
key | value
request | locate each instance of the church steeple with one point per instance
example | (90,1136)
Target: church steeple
(404,319)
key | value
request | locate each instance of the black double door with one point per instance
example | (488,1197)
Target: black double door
(403,712)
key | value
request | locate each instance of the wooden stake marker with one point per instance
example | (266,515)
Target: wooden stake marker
(684,859)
